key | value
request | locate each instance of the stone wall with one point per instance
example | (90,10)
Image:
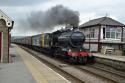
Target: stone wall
(4,30)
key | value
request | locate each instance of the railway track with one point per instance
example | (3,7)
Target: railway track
(109,69)
(116,77)
(81,74)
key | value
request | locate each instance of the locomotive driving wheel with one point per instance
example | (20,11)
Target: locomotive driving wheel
(57,52)
(73,60)
(82,60)
(91,59)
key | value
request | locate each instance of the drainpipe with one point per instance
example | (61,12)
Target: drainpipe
(89,41)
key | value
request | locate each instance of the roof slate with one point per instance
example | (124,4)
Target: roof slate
(102,21)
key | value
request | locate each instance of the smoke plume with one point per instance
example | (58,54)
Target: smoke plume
(58,15)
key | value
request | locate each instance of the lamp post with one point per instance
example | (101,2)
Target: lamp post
(123,40)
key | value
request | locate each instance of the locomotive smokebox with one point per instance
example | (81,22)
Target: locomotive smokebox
(72,38)
(77,39)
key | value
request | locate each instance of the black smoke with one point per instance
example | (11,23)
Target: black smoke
(58,15)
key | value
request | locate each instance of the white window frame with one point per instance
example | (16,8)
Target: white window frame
(92,33)
(116,29)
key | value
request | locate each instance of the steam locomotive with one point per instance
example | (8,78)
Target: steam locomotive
(64,43)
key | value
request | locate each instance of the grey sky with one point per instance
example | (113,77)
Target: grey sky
(88,9)
(20,2)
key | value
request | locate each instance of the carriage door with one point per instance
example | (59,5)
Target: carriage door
(0,45)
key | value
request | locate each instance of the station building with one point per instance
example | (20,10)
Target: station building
(103,32)
(6,25)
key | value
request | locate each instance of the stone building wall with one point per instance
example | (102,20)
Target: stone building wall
(4,51)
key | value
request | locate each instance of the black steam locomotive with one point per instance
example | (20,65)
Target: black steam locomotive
(64,43)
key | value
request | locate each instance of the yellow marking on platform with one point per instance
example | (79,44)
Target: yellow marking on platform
(31,64)
(41,72)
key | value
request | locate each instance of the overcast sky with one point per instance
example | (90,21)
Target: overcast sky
(18,10)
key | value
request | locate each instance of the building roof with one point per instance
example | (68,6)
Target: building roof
(9,22)
(102,21)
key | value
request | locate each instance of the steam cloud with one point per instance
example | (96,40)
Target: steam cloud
(58,15)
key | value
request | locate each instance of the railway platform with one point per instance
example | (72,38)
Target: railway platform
(24,68)
(114,61)
(110,56)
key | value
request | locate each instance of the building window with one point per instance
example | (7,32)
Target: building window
(92,33)
(118,33)
(89,32)
(112,32)
(87,36)
(107,32)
